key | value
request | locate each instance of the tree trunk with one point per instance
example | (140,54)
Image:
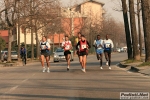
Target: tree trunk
(18,41)
(136,54)
(37,42)
(139,27)
(127,30)
(9,45)
(146,27)
(25,42)
(31,25)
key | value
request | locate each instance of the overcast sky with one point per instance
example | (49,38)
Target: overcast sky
(109,6)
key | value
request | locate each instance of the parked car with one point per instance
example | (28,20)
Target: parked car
(14,55)
(59,55)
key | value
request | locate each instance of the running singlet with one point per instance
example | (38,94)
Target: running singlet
(42,46)
(98,43)
(83,45)
(67,45)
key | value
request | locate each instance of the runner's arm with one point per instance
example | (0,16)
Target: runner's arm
(48,46)
(112,45)
(94,43)
(77,45)
(89,46)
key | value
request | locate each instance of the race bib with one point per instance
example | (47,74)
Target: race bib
(42,47)
(107,45)
(83,46)
(67,47)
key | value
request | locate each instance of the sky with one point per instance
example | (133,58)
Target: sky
(110,6)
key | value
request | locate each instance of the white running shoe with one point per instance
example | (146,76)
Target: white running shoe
(109,67)
(107,63)
(44,69)
(48,70)
(101,67)
(83,70)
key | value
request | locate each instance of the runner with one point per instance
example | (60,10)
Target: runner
(98,44)
(67,46)
(82,47)
(108,45)
(45,49)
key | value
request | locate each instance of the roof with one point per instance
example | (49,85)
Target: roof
(94,1)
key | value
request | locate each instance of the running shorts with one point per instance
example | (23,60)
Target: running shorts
(108,51)
(82,53)
(99,51)
(45,53)
(67,52)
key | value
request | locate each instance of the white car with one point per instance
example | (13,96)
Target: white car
(59,55)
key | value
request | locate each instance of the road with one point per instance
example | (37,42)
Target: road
(29,83)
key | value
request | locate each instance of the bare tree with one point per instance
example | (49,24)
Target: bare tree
(146,26)
(127,30)
(136,55)
(139,26)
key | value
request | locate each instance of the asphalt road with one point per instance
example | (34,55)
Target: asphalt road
(29,83)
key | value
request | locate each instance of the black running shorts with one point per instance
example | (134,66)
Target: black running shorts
(67,52)
(108,51)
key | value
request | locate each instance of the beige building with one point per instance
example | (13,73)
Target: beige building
(91,9)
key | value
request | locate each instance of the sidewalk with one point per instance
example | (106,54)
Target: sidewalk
(133,67)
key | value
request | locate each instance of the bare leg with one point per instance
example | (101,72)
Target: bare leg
(81,61)
(47,61)
(42,60)
(109,55)
(68,60)
(84,61)
(101,59)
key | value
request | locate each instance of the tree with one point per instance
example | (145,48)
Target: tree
(146,26)
(136,55)
(2,44)
(10,18)
(127,29)
(139,27)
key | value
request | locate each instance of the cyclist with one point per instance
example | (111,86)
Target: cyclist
(98,44)
(108,45)
(23,54)
(45,49)
(67,46)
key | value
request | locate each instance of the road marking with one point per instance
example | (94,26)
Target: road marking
(24,80)
(12,89)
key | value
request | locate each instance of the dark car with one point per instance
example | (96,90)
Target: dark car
(59,55)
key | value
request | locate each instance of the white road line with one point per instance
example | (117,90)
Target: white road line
(24,80)
(12,89)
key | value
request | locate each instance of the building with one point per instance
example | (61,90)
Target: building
(4,35)
(82,15)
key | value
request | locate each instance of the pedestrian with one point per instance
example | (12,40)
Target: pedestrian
(98,44)
(23,54)
(45,49)
(108,45)
(82,46)
(67,46)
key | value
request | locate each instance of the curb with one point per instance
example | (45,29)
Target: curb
(132,69)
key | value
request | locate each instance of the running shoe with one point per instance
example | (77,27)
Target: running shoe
(48,70)
(67,69)
(83,70)
(44,69)
(101,67)
(109,67)
(106,62)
